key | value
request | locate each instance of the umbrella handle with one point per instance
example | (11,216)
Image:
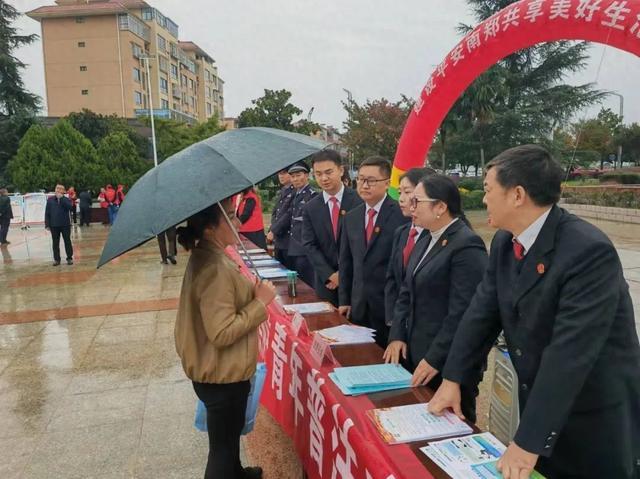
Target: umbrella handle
(235,233)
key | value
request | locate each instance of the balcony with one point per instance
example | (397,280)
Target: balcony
(166,114)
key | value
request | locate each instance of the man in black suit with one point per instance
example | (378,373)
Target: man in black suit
(57,219)
(304,193)
(555,286)
(280,228)
(322,222)
(365,248)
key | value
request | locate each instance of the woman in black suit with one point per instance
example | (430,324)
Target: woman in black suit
(404,240)
(442,275)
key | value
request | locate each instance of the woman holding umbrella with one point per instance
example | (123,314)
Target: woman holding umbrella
(216,333)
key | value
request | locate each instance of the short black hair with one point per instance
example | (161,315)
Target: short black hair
(533,168)
(327,155)
(414,175)
(379,161)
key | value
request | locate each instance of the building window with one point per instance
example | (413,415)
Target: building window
(174,72)
(137,96)
(164,104)
(164,85)
(83,68)
(137,50)
(163,64)
(193,102)
(191,84)
(183,80)
(81,44)
(85,92)
(79,19)
(208,108)
(147,13)
(162,43)
(136,75)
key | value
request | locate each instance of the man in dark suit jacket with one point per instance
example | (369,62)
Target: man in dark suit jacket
(555,286)
(304,193)
(6,215)
(57,219)
(280,228)
(365,248)
(322,222)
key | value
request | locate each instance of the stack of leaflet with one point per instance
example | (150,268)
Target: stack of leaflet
(256,257)
(309,308)
(347,334)
(356,380)
(273,273)
(263,263)
(469,457)
(414,422)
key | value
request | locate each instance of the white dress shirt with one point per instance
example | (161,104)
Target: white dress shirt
(435,237)
(529,236)
(326,196)
(376,207)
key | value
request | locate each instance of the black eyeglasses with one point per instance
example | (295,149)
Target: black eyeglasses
(413,202)
(370,181)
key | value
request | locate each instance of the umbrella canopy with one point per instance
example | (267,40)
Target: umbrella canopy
(199,176)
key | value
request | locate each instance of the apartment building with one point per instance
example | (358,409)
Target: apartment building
(96,54)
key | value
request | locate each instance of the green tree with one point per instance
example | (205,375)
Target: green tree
(375,127)
(57,155)
(274,110)
(173,136)
(119,155)
(522,99)
(628,137)
(95,127)
(17,105)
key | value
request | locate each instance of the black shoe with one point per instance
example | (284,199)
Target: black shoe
(252,473)
(69,261)
(164,261)
(56,263)
(6,242)
(173,260)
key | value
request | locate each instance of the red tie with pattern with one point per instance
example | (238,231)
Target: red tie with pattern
(518,249)
(369,229)
(408,248)
(335,214)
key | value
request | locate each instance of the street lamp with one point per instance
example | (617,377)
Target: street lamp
(145,60)
(350,100)
(621,117)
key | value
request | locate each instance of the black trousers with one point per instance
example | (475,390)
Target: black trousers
(74,215)
(258,238)
(303,266)
(5,223)
(168,235)
(281,255)
(226,406)
(85,215)
(65,231)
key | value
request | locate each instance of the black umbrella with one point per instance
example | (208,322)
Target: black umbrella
(199,176)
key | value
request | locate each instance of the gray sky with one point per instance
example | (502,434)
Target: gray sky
(375,48)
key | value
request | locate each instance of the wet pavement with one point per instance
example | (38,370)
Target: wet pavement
(90,384)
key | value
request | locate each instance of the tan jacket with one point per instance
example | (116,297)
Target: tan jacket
(216,326)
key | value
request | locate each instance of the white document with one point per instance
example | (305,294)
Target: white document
(373,375)
(414,422)
(347,334)
(309,308)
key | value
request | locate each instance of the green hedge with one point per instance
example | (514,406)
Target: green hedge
(472,200)
(622,178)
(619,199)
(474,183)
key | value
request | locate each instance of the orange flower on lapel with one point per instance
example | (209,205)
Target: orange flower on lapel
(444,242)
(376,230)
(343,212)
(540,268)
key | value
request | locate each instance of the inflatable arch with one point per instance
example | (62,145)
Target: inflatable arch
(520,25)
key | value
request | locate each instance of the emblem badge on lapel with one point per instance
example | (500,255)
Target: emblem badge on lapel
(343,212)
(444,242)
(376,230)
(540,268)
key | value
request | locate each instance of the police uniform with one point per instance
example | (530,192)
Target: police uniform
(297,253)
(281,224)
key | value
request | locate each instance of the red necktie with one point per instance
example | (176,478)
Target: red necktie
(411,242)
(369,229)
(518,249)
(335,214)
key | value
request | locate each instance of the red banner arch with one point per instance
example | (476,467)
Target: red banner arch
(520,25)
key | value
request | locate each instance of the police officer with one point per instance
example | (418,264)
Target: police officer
(297,253)
(280,228)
